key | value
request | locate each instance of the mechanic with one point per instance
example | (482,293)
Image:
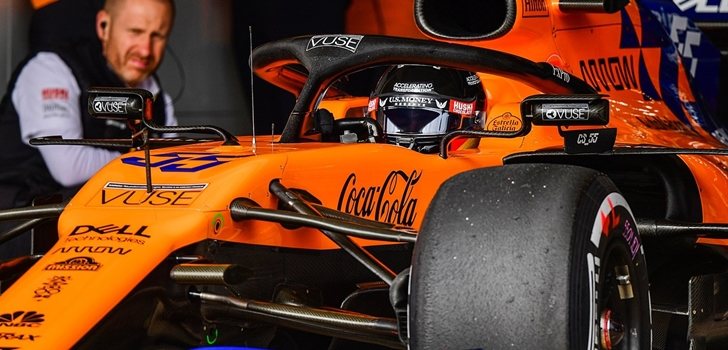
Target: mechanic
(47,96)
(417,105)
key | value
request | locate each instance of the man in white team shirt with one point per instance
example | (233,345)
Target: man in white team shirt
(48,92)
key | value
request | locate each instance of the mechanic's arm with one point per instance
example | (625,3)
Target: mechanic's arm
(46,97)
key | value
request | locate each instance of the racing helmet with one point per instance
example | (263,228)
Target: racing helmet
(417,105)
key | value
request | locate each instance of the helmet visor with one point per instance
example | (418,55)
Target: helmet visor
(421,121)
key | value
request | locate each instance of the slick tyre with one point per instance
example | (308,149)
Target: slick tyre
(529,256)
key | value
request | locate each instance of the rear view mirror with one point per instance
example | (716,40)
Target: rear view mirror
(566,109)
(120,103)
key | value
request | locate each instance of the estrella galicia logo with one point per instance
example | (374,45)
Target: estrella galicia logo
(182,162)
(29,319)
(390,201)
(79,263)
(347,42)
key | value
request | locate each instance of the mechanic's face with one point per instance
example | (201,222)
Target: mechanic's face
(133,36)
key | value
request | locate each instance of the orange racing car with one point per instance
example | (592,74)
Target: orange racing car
(565,195)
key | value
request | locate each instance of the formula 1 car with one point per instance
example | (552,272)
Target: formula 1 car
(588,210)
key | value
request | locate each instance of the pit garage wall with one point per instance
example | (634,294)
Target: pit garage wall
(211,91)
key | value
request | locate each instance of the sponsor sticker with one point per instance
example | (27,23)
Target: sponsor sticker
(118,194)
(109,233)
(607,73)
(51,287)
(561,74)
(372,104)
(534,8)
(110,229)
(79,263)
(462,107)
(113,239)
(505,122)
(17,336)
(388,201)
(55,94)
(25,319)
(54,108)
(656,122)
(566,111)
(413,87)
(182,162)
(110,104)
(589,141)
(409,101)
(347,42)
(92,249)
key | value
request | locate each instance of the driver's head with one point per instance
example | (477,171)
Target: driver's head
(417,105)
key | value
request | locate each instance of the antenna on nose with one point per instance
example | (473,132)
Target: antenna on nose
(252,94)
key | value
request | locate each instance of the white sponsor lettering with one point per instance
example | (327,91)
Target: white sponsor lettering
(592,264)
(685,38)
(559,73)
(410,101)
(473,80)
(347,42)
(586,139)
(702,6)
(143,187)
(462,107)
(413,87)
(566,111)
(106,104)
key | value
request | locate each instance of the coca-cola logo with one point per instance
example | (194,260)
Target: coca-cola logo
(389,201)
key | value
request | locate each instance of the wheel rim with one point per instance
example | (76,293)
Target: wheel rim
(620,320)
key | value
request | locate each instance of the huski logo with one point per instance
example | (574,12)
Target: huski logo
(21,319)
(347,42)
(462,107)
(106,104)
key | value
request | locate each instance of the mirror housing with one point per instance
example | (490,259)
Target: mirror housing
(120,103)
(566,109)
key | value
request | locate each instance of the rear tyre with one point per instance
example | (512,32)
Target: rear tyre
(529,257)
